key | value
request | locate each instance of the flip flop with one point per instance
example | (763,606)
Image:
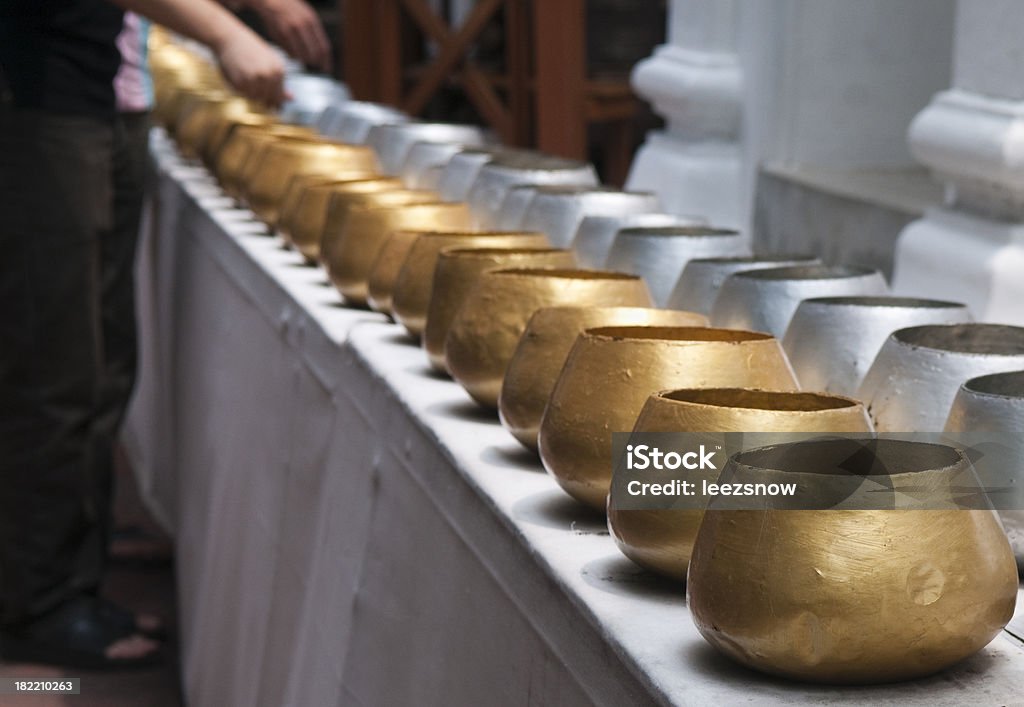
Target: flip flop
(75,635)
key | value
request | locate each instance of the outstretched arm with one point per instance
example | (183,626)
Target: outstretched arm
(248,63)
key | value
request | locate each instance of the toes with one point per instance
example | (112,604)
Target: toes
(132,647)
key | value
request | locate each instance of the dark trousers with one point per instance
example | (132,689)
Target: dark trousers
(70,201)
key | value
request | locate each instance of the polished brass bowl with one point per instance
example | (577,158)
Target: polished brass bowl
(458,271)
(342,202)
(390,269)
(662,540)
(610,373)
(386,267)
(202,121)
(543,348)
(245,142)
(194,117)
(851,596)
(289,213)
(305,206)
(266,176)
(351,254)
(222,128)
(413,286)
(173,100)
(174,70)
(486,330)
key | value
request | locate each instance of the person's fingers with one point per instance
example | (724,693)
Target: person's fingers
(296,44)
(297,28)
(315,45)
(254,69)
(322,47)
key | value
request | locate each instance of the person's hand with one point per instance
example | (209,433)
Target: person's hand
(295,26)
(252,67)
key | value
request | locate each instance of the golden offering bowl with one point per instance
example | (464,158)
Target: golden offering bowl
(177,70)
(662,540)
(288,213)
(458,271)
(223,131)
(182,101)
(484,334)
(351,254)
(342,203)
(225,121)
(243,143)
(543,348)
(304,208)
(386,267)
(414,283)
(173,65)
(201,119)
(851,596)
(610,373)
(265,181)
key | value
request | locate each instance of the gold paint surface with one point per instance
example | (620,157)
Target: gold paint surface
(245,142)
(543,348)
(414,283)
(351,255)
(304,209)
(457,273)
(662,540)
(365,194)
(486,330)
(267,174)
(289,213)
(851,597)
(204,123)
(386,267)
(611,372)
(222,130)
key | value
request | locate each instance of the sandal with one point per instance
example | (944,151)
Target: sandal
(76,634)
(128,621)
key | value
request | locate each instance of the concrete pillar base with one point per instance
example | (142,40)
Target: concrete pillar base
(959,256)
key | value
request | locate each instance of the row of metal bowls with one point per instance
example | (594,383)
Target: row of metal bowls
(476,250)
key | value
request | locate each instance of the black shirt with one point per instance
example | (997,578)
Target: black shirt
(61,55)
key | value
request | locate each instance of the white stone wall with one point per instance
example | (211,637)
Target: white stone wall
(824,93)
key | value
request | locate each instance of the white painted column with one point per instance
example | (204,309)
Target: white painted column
(694,81)
(830,87)
(972,138)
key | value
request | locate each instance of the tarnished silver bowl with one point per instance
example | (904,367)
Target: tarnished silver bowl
(765,300)
(510,169)
(430,178)
(659,254)
(991,409)
(329,122)
(310,96)
(458,175)
(425,156)
(558,210)
(393,141)
(912,383)
(832,341)
(595,235)
(516,204)
(702,278)
(359,117)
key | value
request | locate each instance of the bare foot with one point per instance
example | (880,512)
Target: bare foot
(148,622)
(132,647)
